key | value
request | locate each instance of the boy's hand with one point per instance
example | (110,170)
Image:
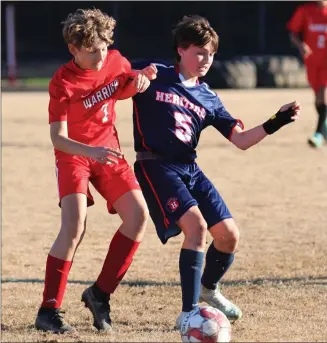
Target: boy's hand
(150,71)
(305,50)
(141,82)
(293,106)
(287,114)
(104,155)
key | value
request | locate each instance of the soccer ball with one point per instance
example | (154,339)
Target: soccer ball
(206,325)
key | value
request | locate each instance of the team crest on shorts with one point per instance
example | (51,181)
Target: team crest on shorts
(172,204)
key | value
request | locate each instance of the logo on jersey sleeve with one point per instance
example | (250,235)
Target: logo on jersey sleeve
(172,204)
(86,95)
(104,93)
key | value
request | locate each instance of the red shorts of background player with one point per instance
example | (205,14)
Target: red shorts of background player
(317,75)
(111,180)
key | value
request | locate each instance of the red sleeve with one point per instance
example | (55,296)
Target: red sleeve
(126,72)
(59,101)
(119,67)
(117,64)
(296,23)
(124,79)
(125,65)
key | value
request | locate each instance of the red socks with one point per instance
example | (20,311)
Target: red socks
(56,276)
(117,262)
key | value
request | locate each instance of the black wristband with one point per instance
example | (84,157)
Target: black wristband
(278,120)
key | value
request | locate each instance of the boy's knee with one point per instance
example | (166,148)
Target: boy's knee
(196,235)
(72,229)
(232,240)
(227,240)
(134,225)
(138,217)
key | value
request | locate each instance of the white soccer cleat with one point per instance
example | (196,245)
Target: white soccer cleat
(215,299)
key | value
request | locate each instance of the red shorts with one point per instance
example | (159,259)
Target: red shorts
(317,75)
(112,181)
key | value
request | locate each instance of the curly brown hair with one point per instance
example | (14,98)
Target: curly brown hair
(84,28)
(194,30)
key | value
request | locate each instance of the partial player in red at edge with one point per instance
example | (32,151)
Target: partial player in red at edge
(308,30)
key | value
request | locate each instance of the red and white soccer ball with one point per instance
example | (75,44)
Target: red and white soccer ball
(206,325)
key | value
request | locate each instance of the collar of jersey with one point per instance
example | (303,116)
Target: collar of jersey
(182,78)
(87,72)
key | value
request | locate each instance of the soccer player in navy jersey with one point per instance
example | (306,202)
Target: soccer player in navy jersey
(168,119)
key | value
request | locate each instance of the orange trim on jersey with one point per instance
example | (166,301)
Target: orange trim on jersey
(238,123)
(166,220)
(139,127)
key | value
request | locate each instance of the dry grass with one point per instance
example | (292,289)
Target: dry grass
(276,191)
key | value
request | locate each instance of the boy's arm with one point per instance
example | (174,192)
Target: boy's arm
(295,39)
(245,139)
(58,105)
(303,48)
(295,26)
(138,82)
(61,141)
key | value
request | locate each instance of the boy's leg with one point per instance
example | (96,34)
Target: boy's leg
(219,258)
(321,107)
(194,228)
(74,195)
(318,80)
(173,209)
(317,139)
(123,196)
(220,254)
(59,263)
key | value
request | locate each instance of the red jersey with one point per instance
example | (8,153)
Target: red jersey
(86,100)
(311,21)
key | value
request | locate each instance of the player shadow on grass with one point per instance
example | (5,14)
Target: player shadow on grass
(312,280)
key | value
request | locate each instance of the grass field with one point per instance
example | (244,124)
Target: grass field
(276,191)
(26,84)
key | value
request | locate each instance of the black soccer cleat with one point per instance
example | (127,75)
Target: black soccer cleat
(51,320)
(99,308)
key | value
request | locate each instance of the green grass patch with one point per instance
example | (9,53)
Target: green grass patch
(27,83)
(36,82)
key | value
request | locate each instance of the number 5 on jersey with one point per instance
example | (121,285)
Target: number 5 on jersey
(183,127)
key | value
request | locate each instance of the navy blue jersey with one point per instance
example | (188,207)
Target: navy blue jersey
(169,116)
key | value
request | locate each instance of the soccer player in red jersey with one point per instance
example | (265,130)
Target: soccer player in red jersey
(83,93)
(310,21)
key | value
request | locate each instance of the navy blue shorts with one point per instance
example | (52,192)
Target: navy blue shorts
(171,189)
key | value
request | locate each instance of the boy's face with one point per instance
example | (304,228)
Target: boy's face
(197,60)
(90,58)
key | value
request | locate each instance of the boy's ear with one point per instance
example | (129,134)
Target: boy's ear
(180,51)
(72,49)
